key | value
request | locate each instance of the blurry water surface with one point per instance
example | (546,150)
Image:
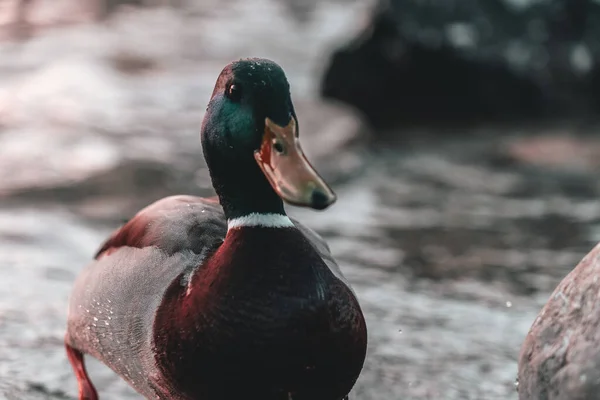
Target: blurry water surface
(452,242)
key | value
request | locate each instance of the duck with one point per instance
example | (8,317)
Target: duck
(226,297)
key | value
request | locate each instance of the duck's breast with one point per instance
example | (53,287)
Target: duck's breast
(274,319)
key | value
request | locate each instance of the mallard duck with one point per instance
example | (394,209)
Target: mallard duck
(226,298)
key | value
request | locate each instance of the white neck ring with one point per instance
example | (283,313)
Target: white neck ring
(270,220)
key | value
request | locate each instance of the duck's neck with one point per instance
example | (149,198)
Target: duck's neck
(246,196)
(249,200)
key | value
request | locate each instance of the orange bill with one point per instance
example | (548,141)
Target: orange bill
(284,164)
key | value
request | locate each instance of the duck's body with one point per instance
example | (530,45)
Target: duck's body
(267,305)
(206,299)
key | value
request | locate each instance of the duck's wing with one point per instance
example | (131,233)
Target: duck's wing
(115,298)
(323,249)
(171,224)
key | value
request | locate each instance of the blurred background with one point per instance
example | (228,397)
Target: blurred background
(460,136)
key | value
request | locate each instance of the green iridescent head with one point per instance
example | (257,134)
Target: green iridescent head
(251,143)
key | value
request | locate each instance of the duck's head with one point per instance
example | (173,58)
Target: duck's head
(251,143)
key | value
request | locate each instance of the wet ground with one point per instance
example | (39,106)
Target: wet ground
(452,241)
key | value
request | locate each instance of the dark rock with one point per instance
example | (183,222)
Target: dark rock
(471,60)
(560,358)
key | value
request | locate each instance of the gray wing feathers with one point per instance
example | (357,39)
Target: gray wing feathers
(173,224)
(111,314)
(181,223)
(115,298)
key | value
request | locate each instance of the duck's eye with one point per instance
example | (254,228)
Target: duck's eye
(278,147)
(234,92)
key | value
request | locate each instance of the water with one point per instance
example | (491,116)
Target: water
(451,245)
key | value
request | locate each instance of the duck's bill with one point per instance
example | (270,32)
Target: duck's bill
(284,164)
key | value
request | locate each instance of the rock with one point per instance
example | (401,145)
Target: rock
(463,61)
(560,358)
